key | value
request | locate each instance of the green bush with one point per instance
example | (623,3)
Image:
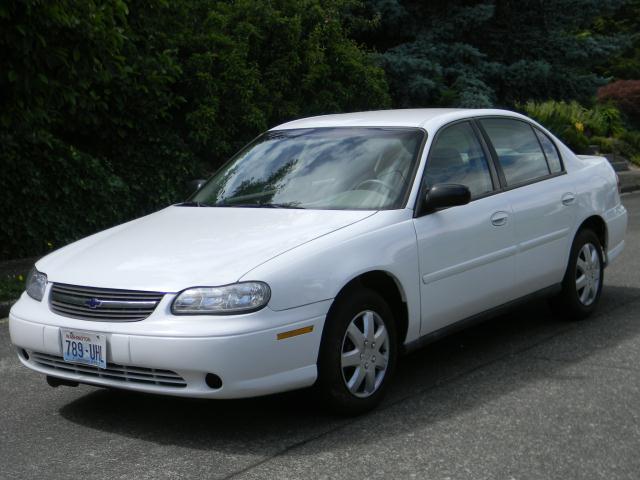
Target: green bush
(631,145)
(579,127)
(625,94)
(85,133)
(574,124)
(11,286)
(108,107)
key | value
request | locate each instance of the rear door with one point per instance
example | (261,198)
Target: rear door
(541,196)
(466,253)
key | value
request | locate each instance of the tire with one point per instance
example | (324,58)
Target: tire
(582,283)
(354,372)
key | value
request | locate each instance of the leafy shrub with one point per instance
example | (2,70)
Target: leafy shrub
(627,145)
(631,142)
(625,94)
(575,124)
(85,136)
(108,107)
(578,126)
(11,286)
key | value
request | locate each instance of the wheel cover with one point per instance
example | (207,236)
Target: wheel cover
(365,354)
(588,274)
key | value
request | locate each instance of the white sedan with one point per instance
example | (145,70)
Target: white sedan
(322,251)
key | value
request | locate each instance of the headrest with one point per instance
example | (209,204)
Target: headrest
(445,157)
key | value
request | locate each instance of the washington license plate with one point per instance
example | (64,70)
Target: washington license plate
(84,347)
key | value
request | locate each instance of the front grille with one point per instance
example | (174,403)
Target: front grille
(115,372)
(100,304)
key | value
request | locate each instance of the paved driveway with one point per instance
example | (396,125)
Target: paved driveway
(522,396)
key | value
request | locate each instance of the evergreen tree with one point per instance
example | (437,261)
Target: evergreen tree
(492,52)
(626,63)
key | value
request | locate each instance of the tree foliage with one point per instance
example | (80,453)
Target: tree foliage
(493,52)
(624,63)
(108,107)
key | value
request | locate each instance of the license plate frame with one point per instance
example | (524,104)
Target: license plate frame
(84,348)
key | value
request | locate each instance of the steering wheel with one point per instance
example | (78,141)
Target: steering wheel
(377,183)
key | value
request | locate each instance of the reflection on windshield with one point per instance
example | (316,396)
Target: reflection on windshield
(323,168)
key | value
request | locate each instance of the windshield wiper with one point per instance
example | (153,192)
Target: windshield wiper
(192,204)
(280,205)
(259,205)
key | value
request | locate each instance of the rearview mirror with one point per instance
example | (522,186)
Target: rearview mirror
(443,195)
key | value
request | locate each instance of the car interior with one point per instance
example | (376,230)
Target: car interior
(458,158)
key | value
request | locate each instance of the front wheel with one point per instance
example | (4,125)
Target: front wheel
(358,352)
(582,283)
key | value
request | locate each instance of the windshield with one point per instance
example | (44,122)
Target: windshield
(322,168)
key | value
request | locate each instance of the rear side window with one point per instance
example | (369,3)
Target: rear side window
(457,157)
(550,151)
(518,149)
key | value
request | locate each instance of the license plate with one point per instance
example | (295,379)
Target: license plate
(86,348)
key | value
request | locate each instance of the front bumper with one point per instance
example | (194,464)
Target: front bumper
(243,350)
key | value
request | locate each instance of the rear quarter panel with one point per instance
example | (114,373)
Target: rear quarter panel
(597,194)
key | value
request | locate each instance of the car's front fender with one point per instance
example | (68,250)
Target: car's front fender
(319,269)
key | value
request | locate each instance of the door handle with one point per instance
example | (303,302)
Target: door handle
(568,199)
(499,218)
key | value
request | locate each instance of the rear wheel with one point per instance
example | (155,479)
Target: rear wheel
(358,352)
(582,283)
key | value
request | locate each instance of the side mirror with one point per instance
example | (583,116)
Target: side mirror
(195,185)
(443,195)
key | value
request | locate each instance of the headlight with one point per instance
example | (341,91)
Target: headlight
(236,298)
(36,283)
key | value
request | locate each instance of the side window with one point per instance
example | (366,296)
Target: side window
(550,150)
(457,157)
(518,150)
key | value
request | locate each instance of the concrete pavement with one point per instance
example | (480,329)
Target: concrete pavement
(523,396)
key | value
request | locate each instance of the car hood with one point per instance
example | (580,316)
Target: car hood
(181,247)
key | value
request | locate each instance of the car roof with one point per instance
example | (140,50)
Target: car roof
(426,118)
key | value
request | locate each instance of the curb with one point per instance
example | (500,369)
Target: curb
(5,306)
(629,180)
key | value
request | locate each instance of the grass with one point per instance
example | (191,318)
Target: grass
(11,286)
